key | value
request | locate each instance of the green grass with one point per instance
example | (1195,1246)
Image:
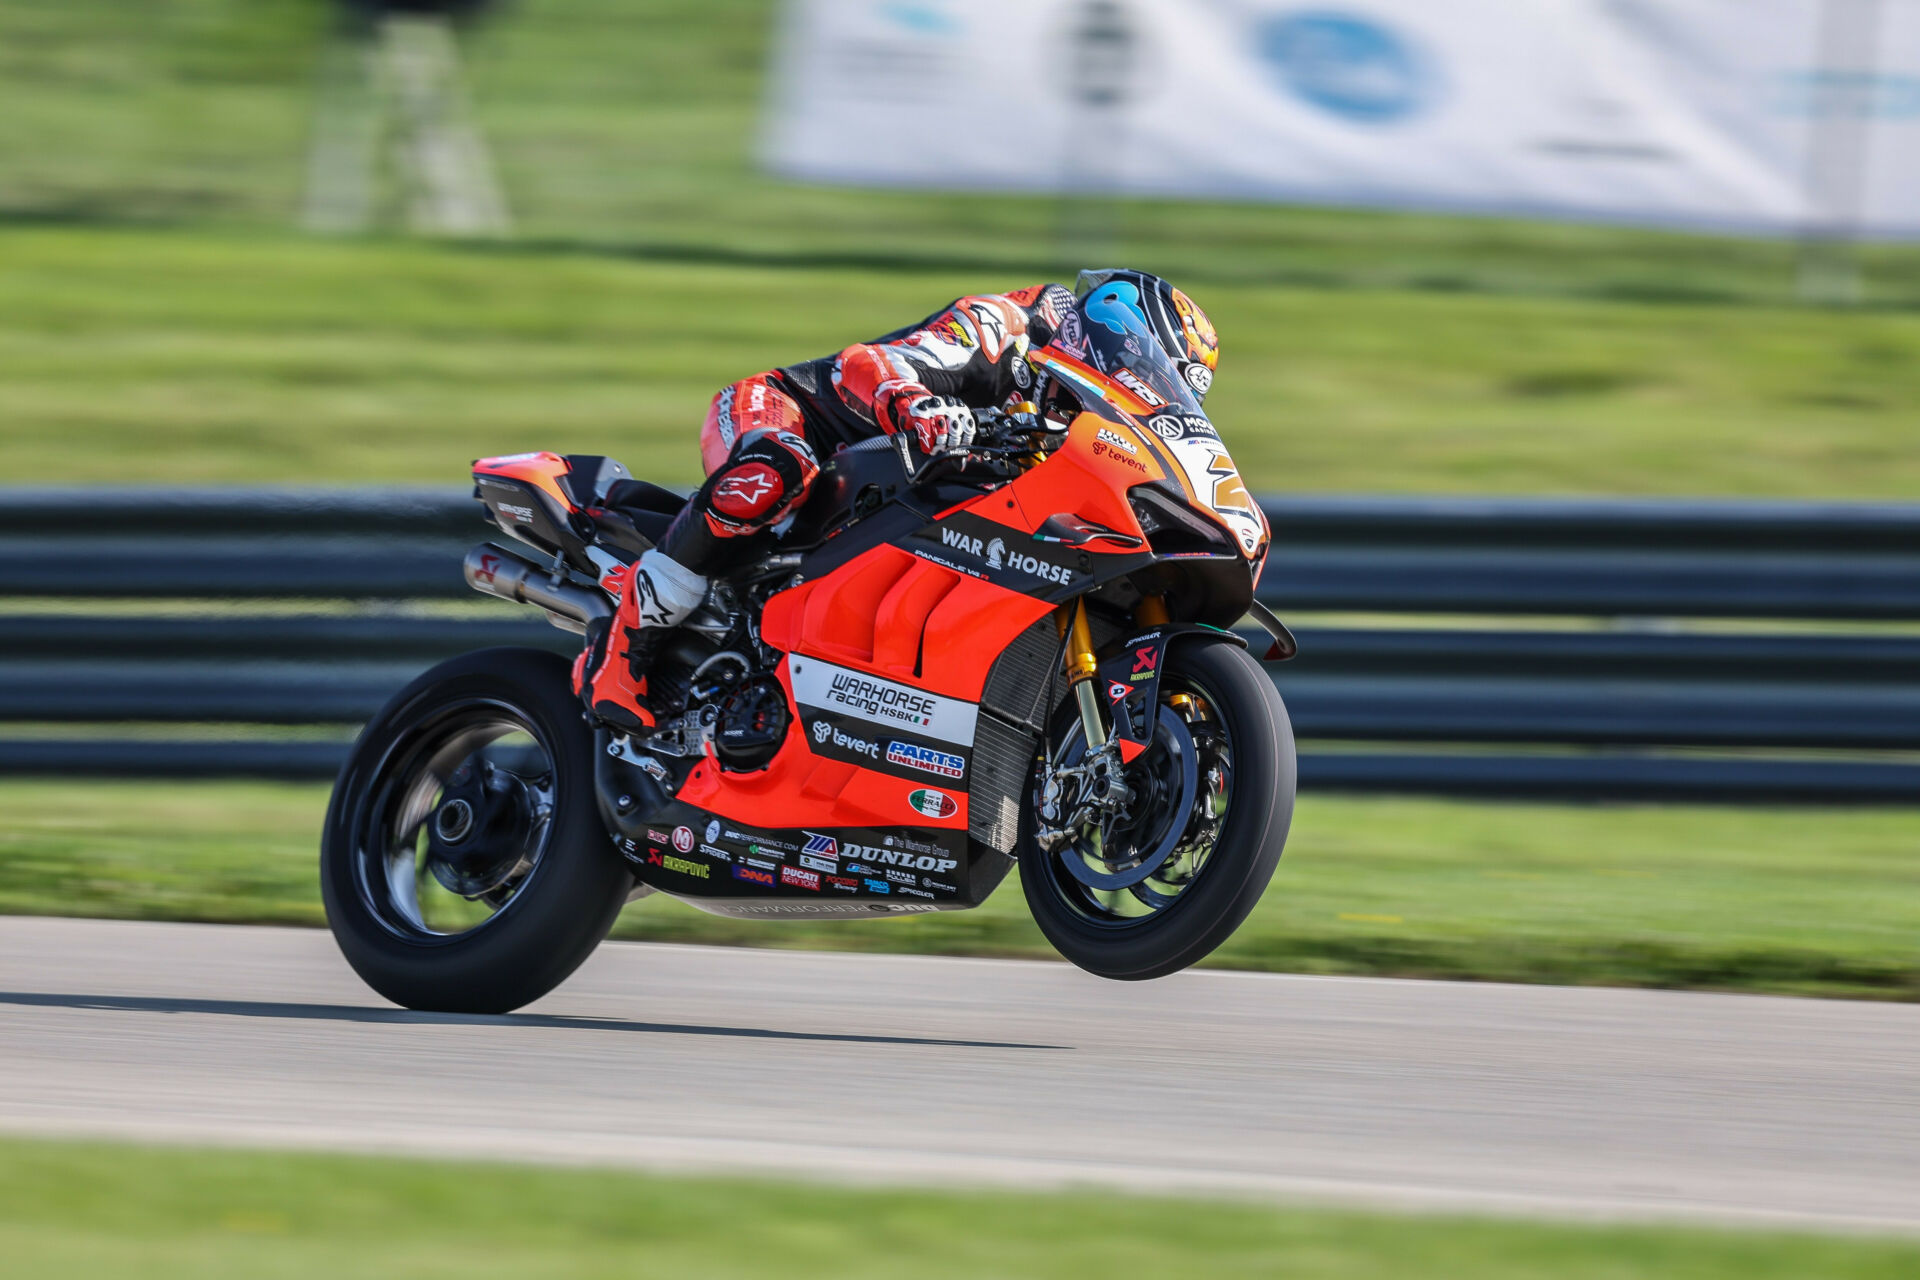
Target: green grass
(634,124)
(1656,896)
(86,1210)
(141,356)
(657,262)
(160,322)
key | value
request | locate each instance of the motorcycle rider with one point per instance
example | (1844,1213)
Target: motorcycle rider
(764,436)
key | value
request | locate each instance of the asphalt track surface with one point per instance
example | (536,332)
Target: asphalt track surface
(888,1069)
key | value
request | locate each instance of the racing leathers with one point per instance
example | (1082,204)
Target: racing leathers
(761,448)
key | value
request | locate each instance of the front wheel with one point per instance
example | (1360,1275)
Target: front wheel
(1152,887)
(464,864)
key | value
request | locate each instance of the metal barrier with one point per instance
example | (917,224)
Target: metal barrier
(1507,647)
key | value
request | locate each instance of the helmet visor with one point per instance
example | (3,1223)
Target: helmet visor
(1113,330)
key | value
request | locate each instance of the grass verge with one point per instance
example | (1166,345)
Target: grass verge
(73,1210)
(1667,896)
(155,357)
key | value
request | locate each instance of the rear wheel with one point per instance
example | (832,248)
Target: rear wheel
(1154,885)
(464,864)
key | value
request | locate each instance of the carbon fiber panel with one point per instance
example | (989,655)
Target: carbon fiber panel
(1021,686)
(1002,759)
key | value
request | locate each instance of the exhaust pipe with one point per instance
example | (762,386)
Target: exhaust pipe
(495,571)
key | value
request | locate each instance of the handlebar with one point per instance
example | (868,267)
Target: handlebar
(999,438)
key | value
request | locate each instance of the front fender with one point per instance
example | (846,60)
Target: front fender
(1129,681)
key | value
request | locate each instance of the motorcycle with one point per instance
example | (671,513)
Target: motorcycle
(939,669)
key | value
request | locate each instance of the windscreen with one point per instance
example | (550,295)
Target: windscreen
(1110,331)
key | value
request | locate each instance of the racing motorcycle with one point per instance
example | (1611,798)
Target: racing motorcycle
(940,668)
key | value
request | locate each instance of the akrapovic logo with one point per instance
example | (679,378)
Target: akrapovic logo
(926,759)
(828,687)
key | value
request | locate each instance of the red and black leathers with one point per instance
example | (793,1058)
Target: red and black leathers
(973,351)
(763,440)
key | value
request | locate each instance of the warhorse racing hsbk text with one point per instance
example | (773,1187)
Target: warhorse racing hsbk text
(939,669)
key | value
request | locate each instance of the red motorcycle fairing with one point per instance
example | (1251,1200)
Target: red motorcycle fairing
(890,654)
(740,869)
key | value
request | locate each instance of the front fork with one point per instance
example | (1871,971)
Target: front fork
(1083,667)
(1097,784)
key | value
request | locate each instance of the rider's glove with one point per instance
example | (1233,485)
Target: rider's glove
(940,424)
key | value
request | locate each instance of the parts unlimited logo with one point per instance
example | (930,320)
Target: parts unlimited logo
(926,759)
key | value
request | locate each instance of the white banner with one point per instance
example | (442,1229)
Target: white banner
(1766,115)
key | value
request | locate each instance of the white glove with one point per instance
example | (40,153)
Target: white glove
(940,424)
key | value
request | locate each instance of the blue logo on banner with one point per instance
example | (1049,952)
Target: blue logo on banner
(1347,65)
(928,17)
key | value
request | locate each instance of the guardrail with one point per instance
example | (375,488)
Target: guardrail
(1694,650)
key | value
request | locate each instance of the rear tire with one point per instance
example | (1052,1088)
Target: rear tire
(548,873)
(1242,859)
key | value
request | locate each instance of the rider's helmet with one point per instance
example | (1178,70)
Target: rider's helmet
(1118,315)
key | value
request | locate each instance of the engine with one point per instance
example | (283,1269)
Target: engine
(727,700)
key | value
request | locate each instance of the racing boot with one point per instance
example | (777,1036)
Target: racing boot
(658,594)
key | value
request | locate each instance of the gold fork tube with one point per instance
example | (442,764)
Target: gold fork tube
(1081,666)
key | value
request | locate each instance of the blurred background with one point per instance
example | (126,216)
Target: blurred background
(1572,344)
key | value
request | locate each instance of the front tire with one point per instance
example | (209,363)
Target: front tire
(464,864)
(1222,776)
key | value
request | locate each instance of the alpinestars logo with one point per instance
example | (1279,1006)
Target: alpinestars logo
(748,491)
(926,759)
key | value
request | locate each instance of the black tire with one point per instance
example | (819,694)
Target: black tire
(558,911)
(1243,858)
